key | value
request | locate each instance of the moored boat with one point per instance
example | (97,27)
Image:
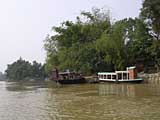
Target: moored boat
(130,75)
(67,77)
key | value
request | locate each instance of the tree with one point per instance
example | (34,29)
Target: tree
(155,54)
(23,70)
(93,43)
(112,45)
(150,12)
(139,45)
(73,45)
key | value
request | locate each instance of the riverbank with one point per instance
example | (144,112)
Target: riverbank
(153,78)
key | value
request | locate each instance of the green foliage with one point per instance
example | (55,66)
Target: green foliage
(139,45)
(23,70)
(155,54)
(93,44)
(112,46)
(151,14)
(75,43)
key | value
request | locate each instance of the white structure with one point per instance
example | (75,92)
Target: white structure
(120,76)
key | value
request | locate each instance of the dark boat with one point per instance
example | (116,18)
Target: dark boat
(67,77)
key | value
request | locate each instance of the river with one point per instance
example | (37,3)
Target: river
(19,101)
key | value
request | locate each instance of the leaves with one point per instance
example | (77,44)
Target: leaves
(150,13)
(23,70)
(93,44)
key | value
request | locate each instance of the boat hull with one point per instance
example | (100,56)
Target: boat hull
(139,80)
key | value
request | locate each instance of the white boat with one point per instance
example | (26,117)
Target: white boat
(130,75)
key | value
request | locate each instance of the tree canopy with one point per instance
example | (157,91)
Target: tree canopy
(73,46)
(24,70)
(150,13)
(94,43)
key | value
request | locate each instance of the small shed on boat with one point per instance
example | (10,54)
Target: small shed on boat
(132,72)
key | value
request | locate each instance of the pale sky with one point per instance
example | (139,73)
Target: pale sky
(24,24)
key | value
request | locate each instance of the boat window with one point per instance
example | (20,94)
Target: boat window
(119,76)
(124,75)
(109,77)
(113,76)
(105,76)
(100,76)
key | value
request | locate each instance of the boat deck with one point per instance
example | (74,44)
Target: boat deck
(125,80)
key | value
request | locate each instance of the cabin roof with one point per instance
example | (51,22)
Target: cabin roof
(133,67)
(106,73)
(117,72)
(66,73)
(121,71)
(112,73)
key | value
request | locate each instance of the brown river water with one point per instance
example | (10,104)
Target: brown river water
(41,101)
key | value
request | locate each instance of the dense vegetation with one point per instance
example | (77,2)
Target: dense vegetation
(23,70)
(94,43)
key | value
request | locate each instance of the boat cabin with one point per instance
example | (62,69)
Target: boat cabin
(67,77)
(129,75)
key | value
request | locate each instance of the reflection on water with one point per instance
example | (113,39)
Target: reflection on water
(130,90)
(43,101)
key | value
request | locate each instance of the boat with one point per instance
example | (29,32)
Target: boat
(67,77)
(130,75)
